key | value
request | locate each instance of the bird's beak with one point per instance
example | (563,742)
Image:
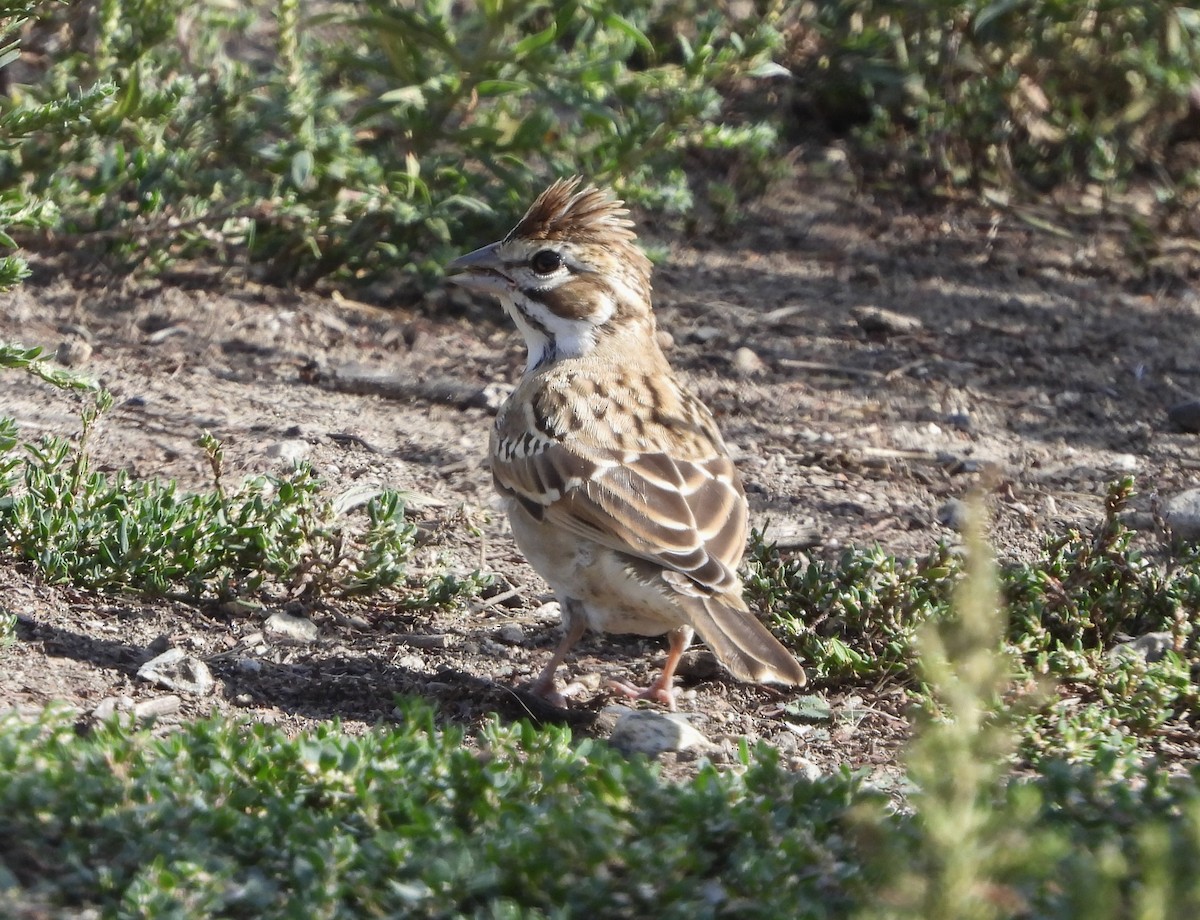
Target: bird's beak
(481,270)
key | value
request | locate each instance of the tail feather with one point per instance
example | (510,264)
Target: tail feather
(741,642)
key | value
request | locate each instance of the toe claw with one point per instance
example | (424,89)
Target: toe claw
(655,693)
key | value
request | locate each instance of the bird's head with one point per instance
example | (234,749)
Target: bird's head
(569,273)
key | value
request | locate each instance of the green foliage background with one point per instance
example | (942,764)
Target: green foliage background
(362,140)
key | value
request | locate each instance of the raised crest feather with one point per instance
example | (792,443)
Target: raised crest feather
(566,212)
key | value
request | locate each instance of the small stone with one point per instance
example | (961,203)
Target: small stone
(1182,512)
(1186,416)
(111,706)
(73,352)
(805,768)
(179,671)
(959,420)
(1152,647)
(961,466)
(549,611)
(413,663)
(145,711)
(666,341)
(148,710)
(290,452)
(512,634)
(885,322)
(698,664)
(1125,463)
(249,665)
(422,640)
(654,733)
(704,334)
(283,627)
(746,363)
(953,514)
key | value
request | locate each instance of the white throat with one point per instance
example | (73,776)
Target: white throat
(550,337)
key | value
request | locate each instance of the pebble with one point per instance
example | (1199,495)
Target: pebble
(287,628)
(145,711)
(704,334)
(953,513)
(291,451)
(654,733)
(699,664)
(1152,647)
(885,322)
(512,634)
(73,352)
(179,671)
(422,640)
(746,363)
(1186,416)
(1182,512)
(959,420)
(413,663)
(1125,463)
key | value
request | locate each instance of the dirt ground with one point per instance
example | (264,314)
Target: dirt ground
(1042,361)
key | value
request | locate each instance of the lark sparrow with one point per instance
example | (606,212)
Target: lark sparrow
(616,481)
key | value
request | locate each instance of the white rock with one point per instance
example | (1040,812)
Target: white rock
(1151,646)
(747,363)
(653,733)
(283,627)
(1183,514)
(953,513)
(1125,463)
(73,352)
(289,452)
(177,670)
(512,634)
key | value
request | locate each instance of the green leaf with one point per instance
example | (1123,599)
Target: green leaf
(501,87)
(410,96)
(810,708)
(531,43)
(770,70)
(303,164)
(627,28)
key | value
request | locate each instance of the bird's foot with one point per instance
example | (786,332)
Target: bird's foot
(658,692)
(548,690)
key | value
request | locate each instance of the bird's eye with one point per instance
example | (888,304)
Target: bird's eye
(546,261)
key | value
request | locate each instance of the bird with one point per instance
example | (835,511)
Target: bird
(616,481)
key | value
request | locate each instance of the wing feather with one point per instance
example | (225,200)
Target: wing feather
(688,516)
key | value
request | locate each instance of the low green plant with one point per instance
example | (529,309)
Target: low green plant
(221,818)
(1004,92)
(958,756)
(1085,590)
(33,360)
(17,208)
(110,532)
(859,617)
(1067,611)
(376,136)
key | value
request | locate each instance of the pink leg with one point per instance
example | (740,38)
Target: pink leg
(661,691)
(574,626)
